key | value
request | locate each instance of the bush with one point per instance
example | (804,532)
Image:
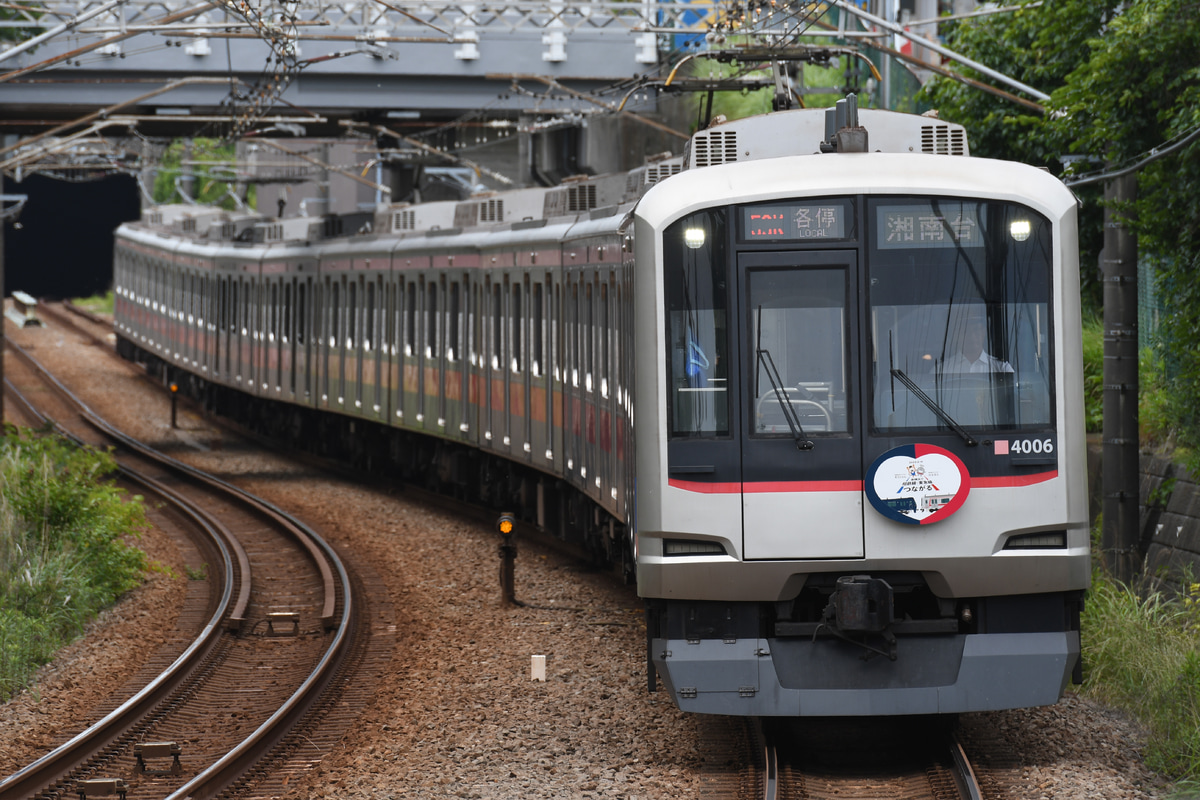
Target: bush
(97,304)
(63,549)
(1142,654)
(1093,373)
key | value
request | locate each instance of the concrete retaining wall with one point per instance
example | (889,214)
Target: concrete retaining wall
(1168,519)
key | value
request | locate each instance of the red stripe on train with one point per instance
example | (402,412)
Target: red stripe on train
(734,487)
(766,486)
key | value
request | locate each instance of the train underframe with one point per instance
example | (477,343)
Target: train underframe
(567,517)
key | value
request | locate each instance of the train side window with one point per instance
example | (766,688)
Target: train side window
(518,327)
(410,319)
(369,340)
(287,312)
(573,335)
(273,327)
(391,318)
(475,329)
(618,331)
(602,332)
(497,326)
(320,292)
(589,338)
(335,311)
(539,332)
(352,326)
(301,313)
(432,318)
(696,284)
(453,351)
(556,327)
(234,305)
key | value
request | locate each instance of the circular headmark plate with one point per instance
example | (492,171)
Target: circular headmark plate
(917,484)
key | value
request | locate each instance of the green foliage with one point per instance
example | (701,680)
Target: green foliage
(739,105)
(1139,88)
(1142,654)
(1123,79)
(97,304)
(1040,46)
(1154,401)
(732,105)
(213,174)
(63,554)
(1093,373)
(25,13)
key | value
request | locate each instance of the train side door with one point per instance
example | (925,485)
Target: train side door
(800,443)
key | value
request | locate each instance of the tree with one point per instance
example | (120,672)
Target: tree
(1041,46)
(10,14)
(212,172)
(1124,79)
(1138,90)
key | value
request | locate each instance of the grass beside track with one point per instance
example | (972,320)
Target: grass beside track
(1141,643)
(1141,651)
(66,550)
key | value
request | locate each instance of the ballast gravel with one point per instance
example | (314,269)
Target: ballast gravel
(457,714)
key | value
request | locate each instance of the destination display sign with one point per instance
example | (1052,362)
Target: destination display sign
(923,225)
(794,222)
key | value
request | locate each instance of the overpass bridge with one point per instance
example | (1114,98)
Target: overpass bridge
(315,63)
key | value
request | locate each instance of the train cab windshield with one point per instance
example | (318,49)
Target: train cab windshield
(959,315)
(890,315)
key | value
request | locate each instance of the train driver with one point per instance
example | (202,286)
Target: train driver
(970,355)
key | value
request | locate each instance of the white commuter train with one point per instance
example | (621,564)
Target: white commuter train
(855,480)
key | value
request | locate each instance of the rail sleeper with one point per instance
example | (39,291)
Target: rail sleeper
(158,750)
(101,787)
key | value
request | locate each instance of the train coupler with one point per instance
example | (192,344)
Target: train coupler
(861,606)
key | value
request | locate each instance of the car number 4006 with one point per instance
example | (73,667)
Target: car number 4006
(1033,446)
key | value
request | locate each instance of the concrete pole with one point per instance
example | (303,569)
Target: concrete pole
(1119,536)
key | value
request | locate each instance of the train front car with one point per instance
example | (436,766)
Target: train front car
(860,450)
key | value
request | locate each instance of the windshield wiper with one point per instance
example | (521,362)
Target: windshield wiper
(934,407)
(785,405)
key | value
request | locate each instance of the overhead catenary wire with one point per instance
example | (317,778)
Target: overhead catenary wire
(1153,155)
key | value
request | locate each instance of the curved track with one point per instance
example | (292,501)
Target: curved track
(283,630)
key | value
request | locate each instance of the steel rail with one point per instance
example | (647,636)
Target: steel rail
(230,767)
(59,762)
(964,773)
(319,551)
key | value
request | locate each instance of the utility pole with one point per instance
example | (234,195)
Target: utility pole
(1121,483)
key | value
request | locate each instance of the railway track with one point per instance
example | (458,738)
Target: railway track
(837,759)
(916,759)
(280,638)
